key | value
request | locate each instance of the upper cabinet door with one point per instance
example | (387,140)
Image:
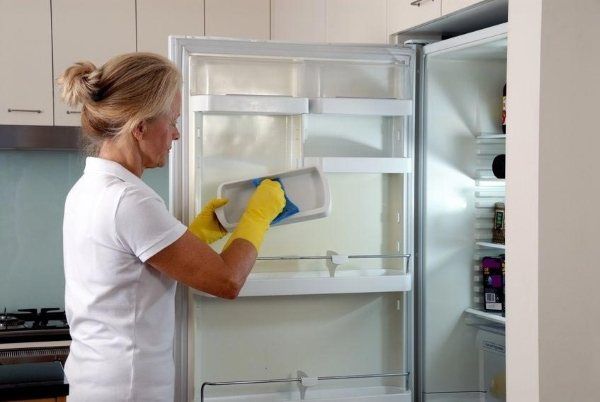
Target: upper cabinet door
(26,67)
(298,21)
(248,19)
(403,15)
(450,6)
(157,19)
(356,21)
(88,30)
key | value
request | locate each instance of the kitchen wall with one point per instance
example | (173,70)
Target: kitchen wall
(553,342)
(34,184)
(34,187)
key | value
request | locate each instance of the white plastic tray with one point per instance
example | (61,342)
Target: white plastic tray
(306,187)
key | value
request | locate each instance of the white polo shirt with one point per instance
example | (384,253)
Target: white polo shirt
(120,310)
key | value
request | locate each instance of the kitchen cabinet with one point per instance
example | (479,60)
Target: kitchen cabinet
(248,19)
(157,19)
(328,21)
(298,21)
(88,30)
(26,68)
(356,21)
(450,6)
(403,14)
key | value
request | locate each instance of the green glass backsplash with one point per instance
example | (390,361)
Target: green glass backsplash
(33,187)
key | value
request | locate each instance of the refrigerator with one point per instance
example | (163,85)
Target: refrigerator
(382,300)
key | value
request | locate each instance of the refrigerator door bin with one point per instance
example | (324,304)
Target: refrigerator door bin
(382,77)
(337,281)
(235,74)
(306,188)
(366,394)
(374,394)
(249,104)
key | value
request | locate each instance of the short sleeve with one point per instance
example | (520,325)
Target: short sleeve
(143,224)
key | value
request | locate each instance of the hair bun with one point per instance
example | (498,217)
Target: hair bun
(79,83)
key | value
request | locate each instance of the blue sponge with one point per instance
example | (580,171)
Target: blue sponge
(288,210)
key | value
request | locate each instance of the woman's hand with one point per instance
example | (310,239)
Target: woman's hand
(206,226)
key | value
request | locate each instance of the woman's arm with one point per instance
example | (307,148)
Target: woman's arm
(194,263)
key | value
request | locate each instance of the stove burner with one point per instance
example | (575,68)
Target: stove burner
(33,325)
(10,322)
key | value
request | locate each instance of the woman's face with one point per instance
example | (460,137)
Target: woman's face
(158,135)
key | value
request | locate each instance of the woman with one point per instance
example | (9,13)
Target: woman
(123,251)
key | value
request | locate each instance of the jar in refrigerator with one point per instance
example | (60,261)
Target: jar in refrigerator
(499,222)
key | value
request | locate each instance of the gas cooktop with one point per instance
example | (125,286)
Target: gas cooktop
(33,325)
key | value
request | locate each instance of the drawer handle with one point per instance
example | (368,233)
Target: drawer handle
(418,3)
(24,110)
(73,112)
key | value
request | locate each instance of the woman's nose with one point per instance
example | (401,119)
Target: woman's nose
(176,134)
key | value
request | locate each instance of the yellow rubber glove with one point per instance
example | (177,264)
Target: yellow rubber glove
(205,225)
(264,205)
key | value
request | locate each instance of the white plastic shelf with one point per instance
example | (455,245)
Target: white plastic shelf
(249,104)
(489,244)
(319,282)
(491,136)
(360,164)
(361,106)
(364,394)
(497,318)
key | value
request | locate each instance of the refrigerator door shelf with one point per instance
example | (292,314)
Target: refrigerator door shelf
(489,244)
(306,187)
(320,282)
(249,104)
(360,164)
(366,394)
(362,106)
(495,318)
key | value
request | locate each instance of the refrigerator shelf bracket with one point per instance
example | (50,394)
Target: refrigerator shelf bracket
(331,257)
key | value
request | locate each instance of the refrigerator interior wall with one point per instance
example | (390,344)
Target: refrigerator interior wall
(463,100)
(276,337)
(359,330)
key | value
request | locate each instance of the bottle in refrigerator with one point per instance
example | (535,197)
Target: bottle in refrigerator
(499,223)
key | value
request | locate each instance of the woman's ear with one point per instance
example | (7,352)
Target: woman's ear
(139,130)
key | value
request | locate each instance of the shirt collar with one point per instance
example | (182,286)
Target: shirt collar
(99,165)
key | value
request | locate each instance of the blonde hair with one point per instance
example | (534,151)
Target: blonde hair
(116,97)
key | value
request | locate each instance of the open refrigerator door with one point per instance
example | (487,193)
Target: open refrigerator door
(326,314)
(460,341)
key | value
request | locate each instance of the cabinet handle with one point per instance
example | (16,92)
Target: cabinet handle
(24,110)
(73,112)
(418,3)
